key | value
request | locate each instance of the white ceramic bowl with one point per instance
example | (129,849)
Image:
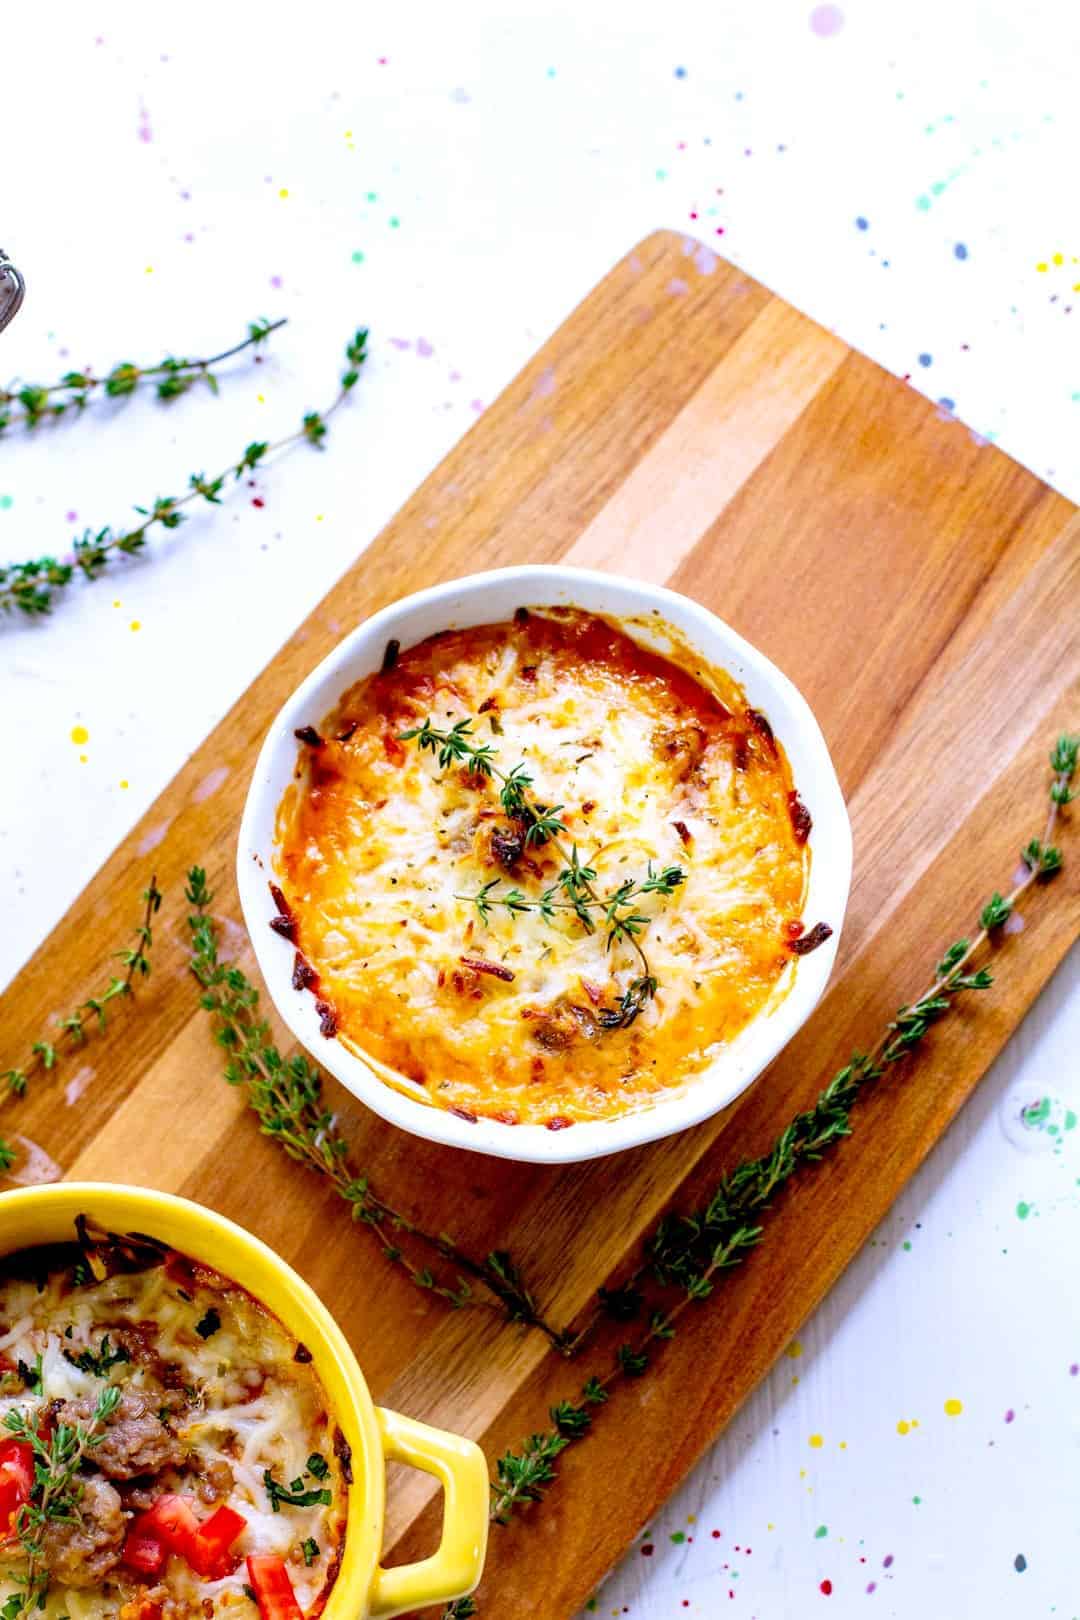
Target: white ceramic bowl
(485,599)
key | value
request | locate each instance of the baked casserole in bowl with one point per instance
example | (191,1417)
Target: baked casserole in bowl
(186,1432)
(545,863)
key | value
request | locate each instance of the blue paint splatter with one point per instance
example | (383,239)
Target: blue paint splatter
(1019,1563)
(960,250)
(862,224)
(926,359)
(680,73)
(946,403)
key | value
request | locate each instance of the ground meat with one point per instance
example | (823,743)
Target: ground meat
(215,1483)
(82,1551)
(136,1441)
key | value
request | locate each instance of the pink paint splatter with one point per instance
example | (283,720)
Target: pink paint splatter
(1074,1369)
(35,1167)
(210,784)
(1010,1415)
(455,376)
(871,1588)
(826,20)
(424,348)
(146,134)
(276,282)
(153,837)
(544,386)
(677,286)
(476,405)
(401,343)
(70,517)
(78,1084)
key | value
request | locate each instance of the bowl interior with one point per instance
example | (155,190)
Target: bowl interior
(650,614)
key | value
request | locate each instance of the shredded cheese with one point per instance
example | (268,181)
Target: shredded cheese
(651,763)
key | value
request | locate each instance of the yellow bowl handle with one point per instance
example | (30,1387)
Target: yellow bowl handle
(455,1569)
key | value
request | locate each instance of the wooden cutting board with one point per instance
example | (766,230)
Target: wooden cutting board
(686,426)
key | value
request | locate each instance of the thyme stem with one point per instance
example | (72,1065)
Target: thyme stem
(285,1094)
(178,376)
(33,587)
(73,1028)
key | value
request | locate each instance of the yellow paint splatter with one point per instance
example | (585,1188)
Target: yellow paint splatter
(691,1518)
(319,516)
(914,1423)
(284,192)
(794,1350)
(843,1445)
(794,1379)
(770,1527)
(83,758)
(953,1407)
(261,398)
(816,1441)
(124,782)
(1043,267)
(1059,258)
(136,624)
(117,603)
(348,134)
(903,1427)
(149,269)
(79,734)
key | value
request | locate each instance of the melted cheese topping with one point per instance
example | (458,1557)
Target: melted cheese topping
(245,1405)
(379,848)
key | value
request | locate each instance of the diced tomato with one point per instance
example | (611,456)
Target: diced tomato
(144,1551)
(16,1480)
(273,1588)
(209,1553)
(172,1521)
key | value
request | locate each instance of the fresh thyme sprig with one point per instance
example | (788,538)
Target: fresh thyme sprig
(690,1252)
(32,588)
(46,402)
(285,1094)
(89,1014)
(56,1492)
(573,889)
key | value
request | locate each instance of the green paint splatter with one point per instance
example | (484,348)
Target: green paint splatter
(678,1537)
(1023,1210)
(394,222)
(373,196)
(1070,1117)
(6,502)
(1036,1113)
(358,257)
(591,1605)
(916,1501)
(661,174)
(821,1532)
(907,1246)
(923,203)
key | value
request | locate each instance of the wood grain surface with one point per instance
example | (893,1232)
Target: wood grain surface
(687,427)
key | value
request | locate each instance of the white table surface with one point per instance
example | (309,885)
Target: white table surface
(457,181)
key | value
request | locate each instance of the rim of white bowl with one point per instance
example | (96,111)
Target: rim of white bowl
(481,599)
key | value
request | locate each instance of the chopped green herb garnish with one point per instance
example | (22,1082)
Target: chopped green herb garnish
(317,1465)
(88,1362)
(31,1376)
(310,1550)
(294,1496)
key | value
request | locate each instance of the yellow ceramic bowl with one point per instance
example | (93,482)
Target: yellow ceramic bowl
(363,1590)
